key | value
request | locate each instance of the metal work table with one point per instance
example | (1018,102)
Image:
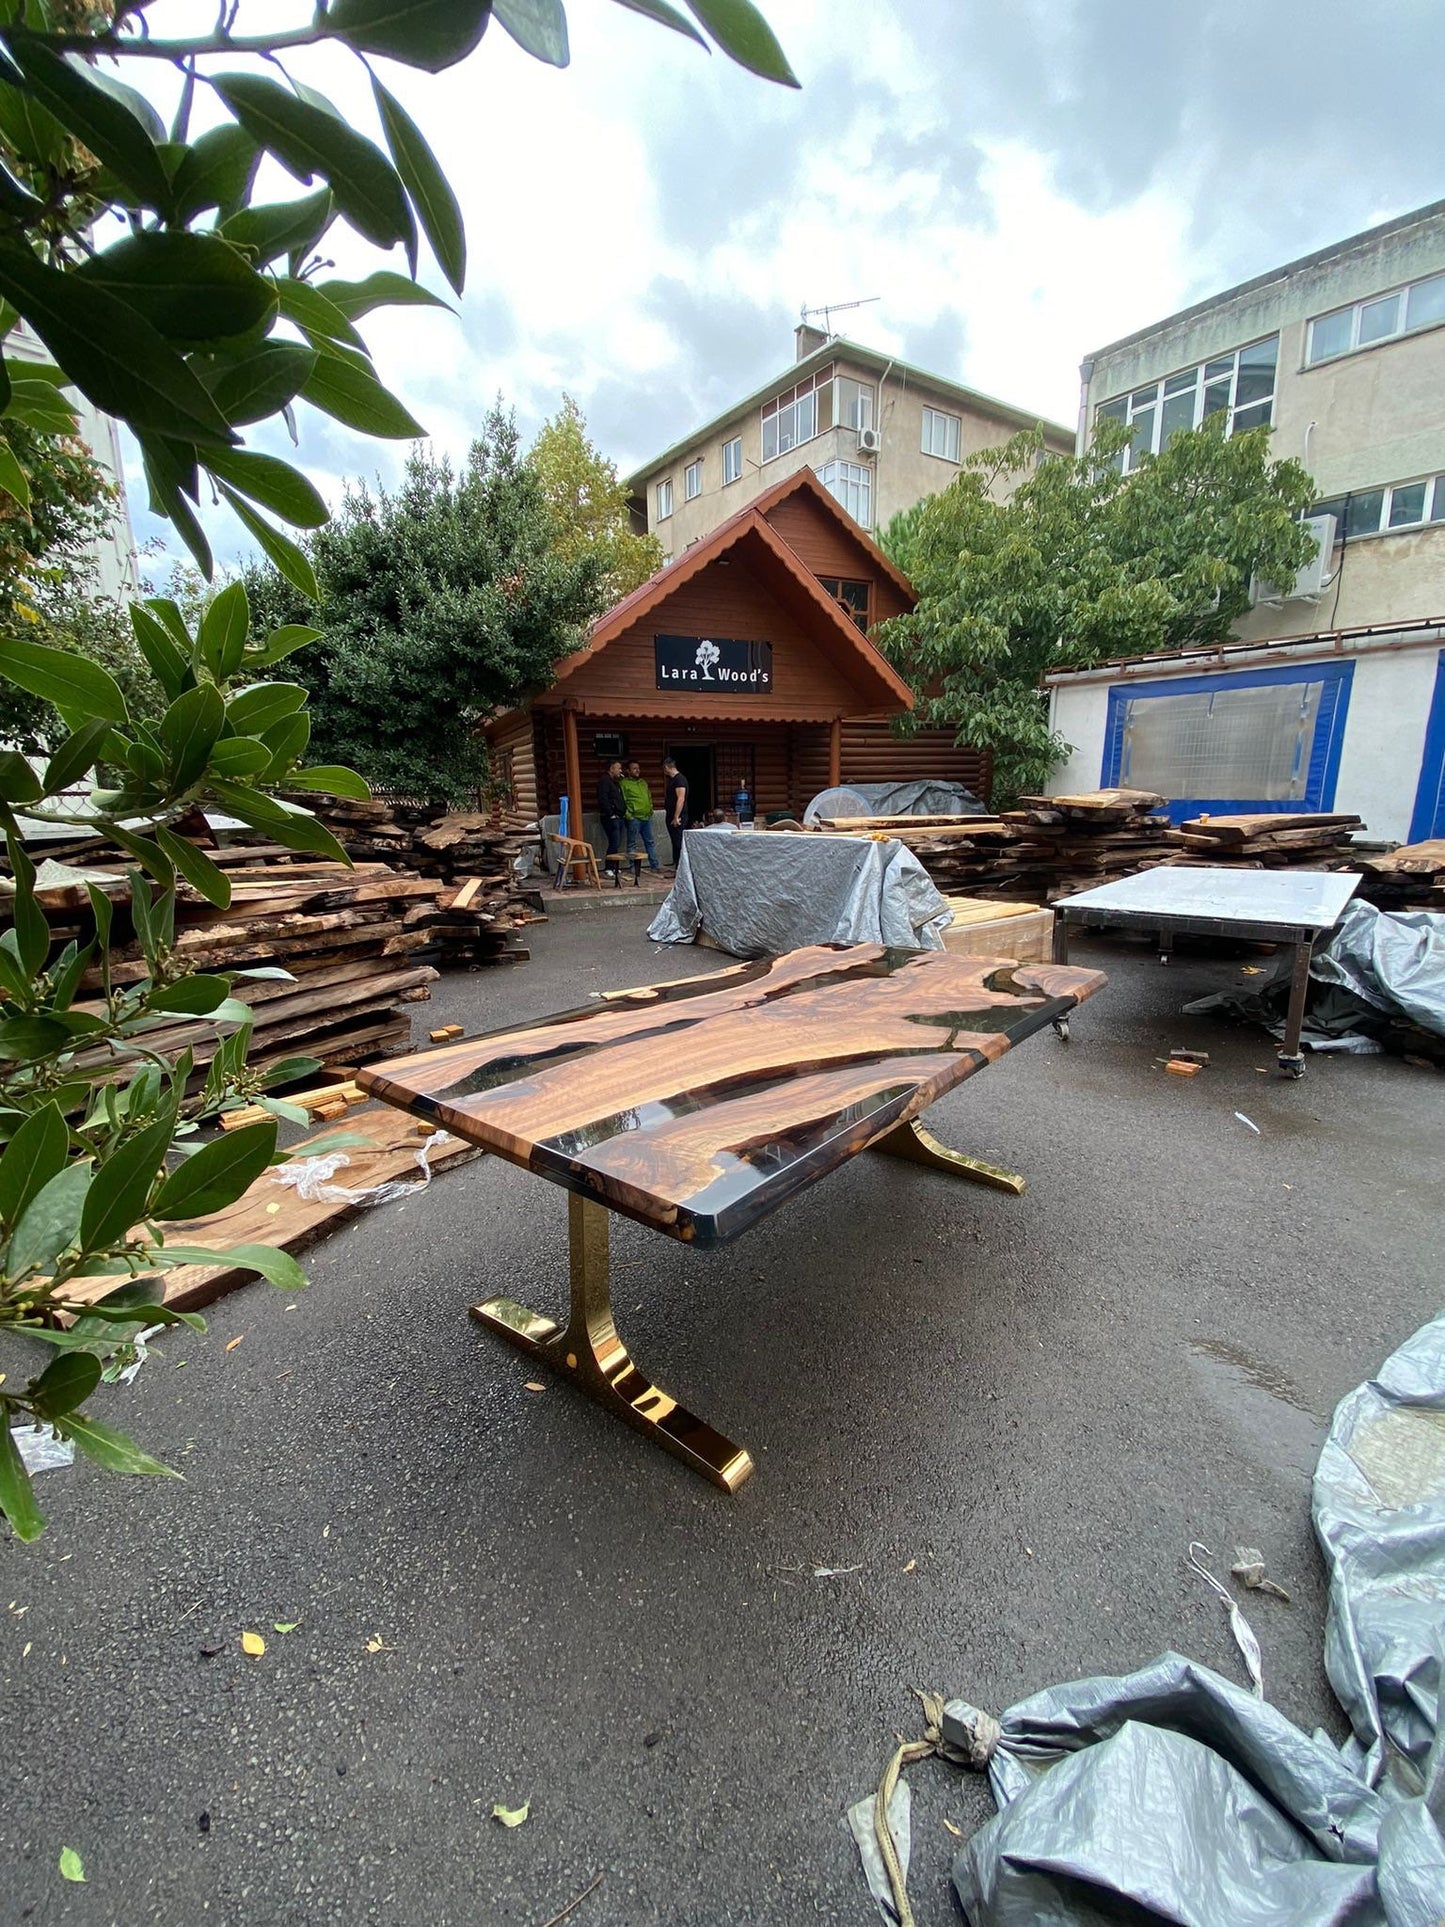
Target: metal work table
(1265,906)
(700,1107)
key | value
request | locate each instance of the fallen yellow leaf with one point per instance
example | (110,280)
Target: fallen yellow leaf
(253,1644)
(910,1566)
(512,1816)
(376,1644)
(535,1385)
(957,1832)
(234,1343)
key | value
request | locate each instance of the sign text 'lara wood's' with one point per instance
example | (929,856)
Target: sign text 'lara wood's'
(702,662)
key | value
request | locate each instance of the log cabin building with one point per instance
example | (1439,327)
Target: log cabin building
(747,659)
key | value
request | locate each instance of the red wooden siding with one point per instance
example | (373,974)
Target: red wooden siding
(821,545)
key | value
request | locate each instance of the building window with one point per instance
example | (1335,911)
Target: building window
(851,484)
(692,481)
(732,460)
(852,596)
(1405,505)
(664,499)
(825,400)
(1260,740)
(1381,318)
(941,433)
(1242,384)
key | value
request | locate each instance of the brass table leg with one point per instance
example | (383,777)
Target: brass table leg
(588,1351)
(920,1146)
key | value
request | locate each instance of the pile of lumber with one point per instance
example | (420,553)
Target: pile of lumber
(1267,842)
(1410,878)
(359,945)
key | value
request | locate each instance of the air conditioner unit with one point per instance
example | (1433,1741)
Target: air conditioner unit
(1316,575)
(869,441)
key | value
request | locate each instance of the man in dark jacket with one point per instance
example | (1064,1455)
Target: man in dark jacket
(674,806)
(612,808)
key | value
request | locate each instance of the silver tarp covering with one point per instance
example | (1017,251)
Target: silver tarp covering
(1171,1795)
(1393,959)
(921,797)
(759,893)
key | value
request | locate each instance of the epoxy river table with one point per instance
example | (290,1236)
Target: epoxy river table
(699,1107)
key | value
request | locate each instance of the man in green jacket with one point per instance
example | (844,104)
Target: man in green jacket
(638,798)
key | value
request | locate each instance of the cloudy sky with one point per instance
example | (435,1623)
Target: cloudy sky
(1019,183)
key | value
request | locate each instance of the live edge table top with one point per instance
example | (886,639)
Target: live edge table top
(699,1107)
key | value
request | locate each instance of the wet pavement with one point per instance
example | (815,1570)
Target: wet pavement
(998,1421)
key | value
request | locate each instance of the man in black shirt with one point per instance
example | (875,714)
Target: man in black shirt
(612,808)
(674,804)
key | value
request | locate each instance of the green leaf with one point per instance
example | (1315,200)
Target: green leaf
(253,710)
(384,289)
(191,287)
(39,406)
(311,310)
(32,932)
(18,781)
(51,1222)
(430,34)
(286,741)
(34,1156)
(346,388)
(216,170)
(114,1450)
(168,500)
(281,227)
(66,1382)
(285,641)
(114,354)
(13,478)
(167,661)
(539,28)
(196,867)
(109,128)
(27,1521)
(121,1186)
(308,141)
(262,383)
(75,755)
(218,1174)
(239,757)
(71,1867)
(330,779)
(272,483)
(431,195)
(191,996)
(277,1267)
(73,683)
(294,827)
(742,33)
(223,631)
(103,910)
(30,130)
(188,730)
(667,15)
(22,1038)
(279,549)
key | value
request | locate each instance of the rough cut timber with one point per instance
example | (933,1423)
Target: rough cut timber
(1410,878)
(1267,841)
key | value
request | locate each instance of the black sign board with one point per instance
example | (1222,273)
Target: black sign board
(709,665)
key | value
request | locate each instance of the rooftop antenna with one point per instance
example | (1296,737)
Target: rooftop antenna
(836,307)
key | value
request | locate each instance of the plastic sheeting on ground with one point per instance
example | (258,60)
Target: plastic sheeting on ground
(1172,1795)
(928,797)
(1379,970)
(759,893)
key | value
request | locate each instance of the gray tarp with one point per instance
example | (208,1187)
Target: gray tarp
(1172,1795)
(759,893)
(926,797)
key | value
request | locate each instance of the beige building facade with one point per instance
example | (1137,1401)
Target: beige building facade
(879,434)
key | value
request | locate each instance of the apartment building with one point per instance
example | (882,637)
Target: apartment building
(878,433)
(1332,694)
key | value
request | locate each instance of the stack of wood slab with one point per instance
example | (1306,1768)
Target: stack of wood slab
(1410,878)
(1314,841)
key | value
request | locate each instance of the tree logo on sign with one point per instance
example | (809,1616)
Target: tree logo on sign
(708,654)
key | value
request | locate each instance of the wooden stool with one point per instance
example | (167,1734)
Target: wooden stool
(575,853)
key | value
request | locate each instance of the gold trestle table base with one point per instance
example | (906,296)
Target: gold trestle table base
(588,1351)
(919,1146)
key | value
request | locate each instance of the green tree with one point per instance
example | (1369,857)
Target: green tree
(589,504)
(439,602)
(204,313)
(1079,564)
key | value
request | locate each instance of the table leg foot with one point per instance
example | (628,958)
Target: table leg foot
(920,1146)
(1291,1066)
(588,1351)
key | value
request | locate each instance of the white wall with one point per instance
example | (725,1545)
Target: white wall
(1384,732)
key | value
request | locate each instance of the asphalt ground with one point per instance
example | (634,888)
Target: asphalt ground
(1003,1419)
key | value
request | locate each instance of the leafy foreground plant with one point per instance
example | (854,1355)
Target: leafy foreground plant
(94,1124)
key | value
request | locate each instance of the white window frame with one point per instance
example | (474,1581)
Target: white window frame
(1356,312)
(1432,509)
(950,434)
(692,480)
(1211,386)
(811,408)
(851,486)
(732,460)
(664,499)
